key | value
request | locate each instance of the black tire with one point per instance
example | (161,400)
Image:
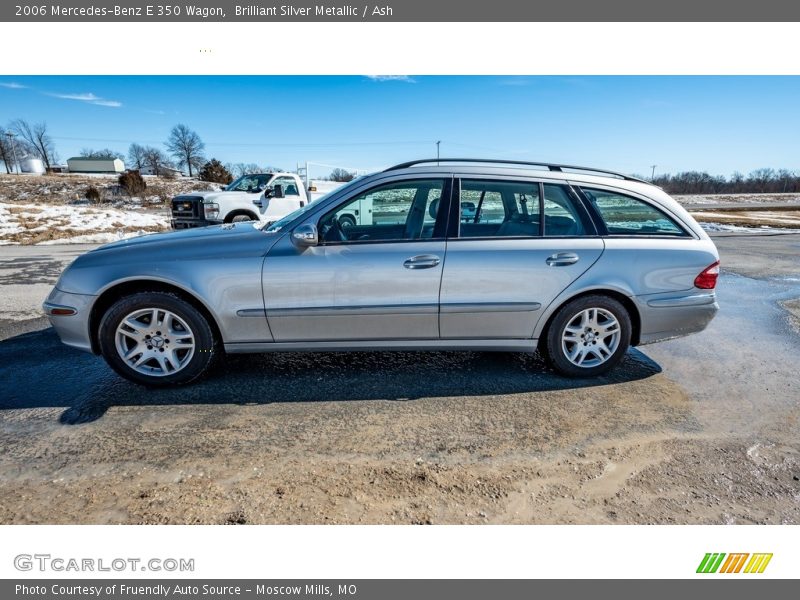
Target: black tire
(347,221)
(556,348)
(194,325)
(241,218)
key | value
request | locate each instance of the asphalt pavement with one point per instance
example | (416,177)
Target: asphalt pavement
(702,429)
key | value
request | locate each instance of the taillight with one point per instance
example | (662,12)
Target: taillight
(707,280)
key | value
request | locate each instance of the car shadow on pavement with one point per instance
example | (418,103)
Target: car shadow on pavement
(40,372)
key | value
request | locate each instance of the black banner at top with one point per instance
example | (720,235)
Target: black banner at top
(402,11)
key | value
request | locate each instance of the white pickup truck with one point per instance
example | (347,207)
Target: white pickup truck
(257,197)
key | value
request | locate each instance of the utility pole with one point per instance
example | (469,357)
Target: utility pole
(653,174)
(10,136)
(437,150)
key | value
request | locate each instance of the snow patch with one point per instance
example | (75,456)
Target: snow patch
(57,224)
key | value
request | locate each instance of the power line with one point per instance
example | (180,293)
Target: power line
(250,144)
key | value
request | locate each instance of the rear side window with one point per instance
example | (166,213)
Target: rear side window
(625,215)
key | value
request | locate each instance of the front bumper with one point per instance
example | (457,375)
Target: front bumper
(190,223)
(73,329)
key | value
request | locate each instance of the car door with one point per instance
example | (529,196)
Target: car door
(292,199)
(375,279)
(516,248)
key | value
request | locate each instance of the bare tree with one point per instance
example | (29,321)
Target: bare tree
(240,169)
(342,175)
(6,152)
(186,146)
(136,155)
(104,154)
(766,180)
(155,159)
(786,181)
(761,179)
(37,139)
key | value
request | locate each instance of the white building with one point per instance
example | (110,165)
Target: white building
(162,170)
(80,164)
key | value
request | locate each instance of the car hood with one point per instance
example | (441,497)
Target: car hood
(173,239)
(161,255)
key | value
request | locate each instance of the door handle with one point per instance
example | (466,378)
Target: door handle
(423,261)
(562,259)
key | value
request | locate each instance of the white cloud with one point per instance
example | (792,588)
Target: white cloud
(112,103)
(89,98)
(83,97)
(13,86)
(403,78)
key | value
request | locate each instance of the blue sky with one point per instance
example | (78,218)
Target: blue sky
(625,123)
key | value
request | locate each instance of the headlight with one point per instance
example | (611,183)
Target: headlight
(211,210)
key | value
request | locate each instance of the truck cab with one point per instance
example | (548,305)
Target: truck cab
(265,197)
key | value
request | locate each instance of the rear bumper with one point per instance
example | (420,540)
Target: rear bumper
(670,316)
(73,329)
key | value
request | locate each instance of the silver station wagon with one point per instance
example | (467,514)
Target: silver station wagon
(450,254)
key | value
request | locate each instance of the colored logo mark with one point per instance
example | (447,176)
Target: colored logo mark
(734,563)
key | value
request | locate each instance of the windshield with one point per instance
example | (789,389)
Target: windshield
(281,223)
(249,183)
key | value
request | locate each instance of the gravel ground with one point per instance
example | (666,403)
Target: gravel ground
(702,429)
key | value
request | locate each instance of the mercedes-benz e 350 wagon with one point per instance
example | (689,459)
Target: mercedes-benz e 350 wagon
(435,255)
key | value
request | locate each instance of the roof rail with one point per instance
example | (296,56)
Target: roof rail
(549,166)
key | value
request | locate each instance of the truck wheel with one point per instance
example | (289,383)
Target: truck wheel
(240,218)
(157,339)
(346,221)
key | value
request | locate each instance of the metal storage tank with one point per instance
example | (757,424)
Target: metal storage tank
(33,166)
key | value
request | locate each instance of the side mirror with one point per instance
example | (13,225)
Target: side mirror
(277,191)
(305,236)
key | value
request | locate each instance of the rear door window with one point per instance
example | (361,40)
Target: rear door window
(561,213)
(499,209)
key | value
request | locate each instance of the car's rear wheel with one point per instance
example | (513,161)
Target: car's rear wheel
(588,336)
(157,338)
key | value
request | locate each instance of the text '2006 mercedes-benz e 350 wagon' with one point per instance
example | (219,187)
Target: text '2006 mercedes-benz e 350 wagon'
(433,255)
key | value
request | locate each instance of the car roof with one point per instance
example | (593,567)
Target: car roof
(505,163)
(518,170)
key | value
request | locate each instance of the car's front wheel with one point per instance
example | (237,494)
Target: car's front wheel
(588,336)
(157,338)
